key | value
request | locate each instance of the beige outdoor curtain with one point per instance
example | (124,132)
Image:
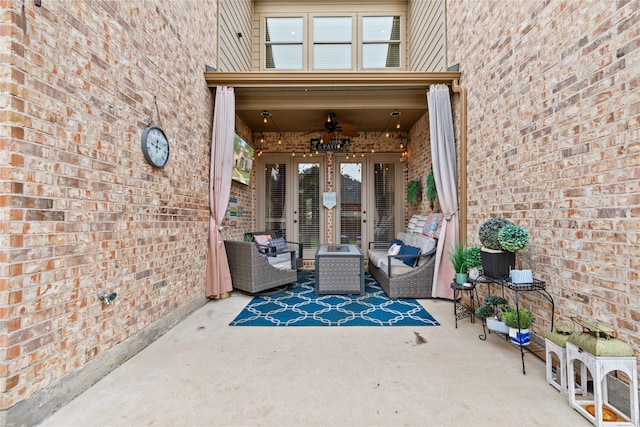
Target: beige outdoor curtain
(445,172)
(218,275)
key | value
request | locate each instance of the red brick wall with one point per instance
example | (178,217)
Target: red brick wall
(554,143)
(81,210)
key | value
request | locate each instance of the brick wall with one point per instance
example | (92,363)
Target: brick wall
(82,211)
(554,143)
(419,165)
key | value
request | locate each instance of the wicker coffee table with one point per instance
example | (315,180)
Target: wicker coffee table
(339,270)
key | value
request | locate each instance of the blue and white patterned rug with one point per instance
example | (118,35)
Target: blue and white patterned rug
(299,306)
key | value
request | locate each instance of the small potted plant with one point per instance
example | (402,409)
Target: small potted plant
(519,323)
(458,258)
(474,262)
(491,311)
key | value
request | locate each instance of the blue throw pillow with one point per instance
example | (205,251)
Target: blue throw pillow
(410,250)
(395,242)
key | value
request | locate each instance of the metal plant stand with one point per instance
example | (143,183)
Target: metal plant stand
(515,289)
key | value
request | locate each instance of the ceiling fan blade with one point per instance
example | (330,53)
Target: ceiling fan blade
(351,132)
(326,137)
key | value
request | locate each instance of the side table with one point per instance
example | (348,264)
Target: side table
(460,311)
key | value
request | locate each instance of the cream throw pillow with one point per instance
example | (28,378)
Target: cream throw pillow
(394,249)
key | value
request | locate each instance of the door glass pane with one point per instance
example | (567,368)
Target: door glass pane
(350,203)
(275,178)
(309,205)
(384,184)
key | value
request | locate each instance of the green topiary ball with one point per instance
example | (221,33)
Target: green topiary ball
(488,232)
(513,238)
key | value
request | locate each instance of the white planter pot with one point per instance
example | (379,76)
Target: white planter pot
(521,276)
(474,273)
(520,337)
(497,325)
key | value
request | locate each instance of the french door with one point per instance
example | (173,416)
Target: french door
(289,197)
(370,199)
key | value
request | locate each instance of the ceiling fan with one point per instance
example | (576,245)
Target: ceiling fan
(332,128)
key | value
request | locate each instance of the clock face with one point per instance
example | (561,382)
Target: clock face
(155,146)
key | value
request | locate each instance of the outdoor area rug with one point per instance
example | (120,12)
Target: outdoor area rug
(299,306)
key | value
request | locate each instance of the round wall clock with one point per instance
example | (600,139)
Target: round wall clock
(155,146)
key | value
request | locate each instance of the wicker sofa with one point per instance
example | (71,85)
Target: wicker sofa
(398,279)
(251,271)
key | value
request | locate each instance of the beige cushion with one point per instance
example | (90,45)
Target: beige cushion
(398,267)
(405,237)
(282,265)
(426,244)
(376,256)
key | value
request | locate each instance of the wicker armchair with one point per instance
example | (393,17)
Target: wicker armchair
(251,272)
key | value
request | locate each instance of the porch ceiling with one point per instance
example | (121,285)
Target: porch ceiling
(299,101)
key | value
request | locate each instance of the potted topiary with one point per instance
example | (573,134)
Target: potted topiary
(474,262)
(519,323)
(458,258)
(497,259)
(491,312)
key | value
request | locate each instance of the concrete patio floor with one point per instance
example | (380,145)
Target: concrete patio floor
(206,373)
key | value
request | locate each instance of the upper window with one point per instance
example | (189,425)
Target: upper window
(322,42)
(381,42)
(332,43)
(283,43)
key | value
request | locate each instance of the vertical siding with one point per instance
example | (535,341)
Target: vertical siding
(235,52)
(427,35)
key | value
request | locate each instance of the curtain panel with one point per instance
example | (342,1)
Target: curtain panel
(445,172)
(218,279)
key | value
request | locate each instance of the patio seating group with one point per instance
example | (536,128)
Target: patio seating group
(404,268)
